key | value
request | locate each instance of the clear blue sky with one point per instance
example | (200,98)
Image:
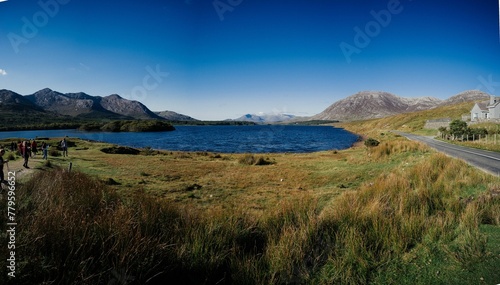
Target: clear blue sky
(225,58)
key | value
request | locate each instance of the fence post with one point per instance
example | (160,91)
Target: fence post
(70,166)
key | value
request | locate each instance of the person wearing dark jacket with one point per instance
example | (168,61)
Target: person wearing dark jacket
(26,153)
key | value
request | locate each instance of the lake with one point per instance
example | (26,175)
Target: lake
(224,139)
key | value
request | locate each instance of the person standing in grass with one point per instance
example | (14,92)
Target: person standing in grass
(64,146)
(33,148)
(45,149)
(26,153)
(2,162)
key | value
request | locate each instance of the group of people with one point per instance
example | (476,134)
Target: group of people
(28,149)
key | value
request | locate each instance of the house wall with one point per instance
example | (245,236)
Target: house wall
(495,112)
(477,114)
(494,99)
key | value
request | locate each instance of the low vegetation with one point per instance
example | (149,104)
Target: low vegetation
(395,213)
(408,122)
(250,159)
(483,136)
(371,142)
(129,126)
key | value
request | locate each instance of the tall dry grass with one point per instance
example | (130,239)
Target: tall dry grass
(76,230)
(401,210)
(385,149)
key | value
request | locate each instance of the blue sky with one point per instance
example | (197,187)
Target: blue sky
(221,59)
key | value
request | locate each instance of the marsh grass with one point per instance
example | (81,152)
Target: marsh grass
(77,230)
(386,149)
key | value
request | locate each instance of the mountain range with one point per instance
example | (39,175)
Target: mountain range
(57,106)
(376,104)
(47,102)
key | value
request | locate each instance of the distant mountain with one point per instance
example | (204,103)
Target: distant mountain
(265,118)
(48,108)
(466,96)
(375,104)
(173,116)
(16,110)
(11,101)
(78,105)
(72,104)
(129,108)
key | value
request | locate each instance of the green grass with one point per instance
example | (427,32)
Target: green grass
(405,216)
(397,213)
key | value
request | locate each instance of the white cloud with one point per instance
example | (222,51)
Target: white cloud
(3,72)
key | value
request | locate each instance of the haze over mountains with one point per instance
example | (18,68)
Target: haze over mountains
(360,106)
(265,118)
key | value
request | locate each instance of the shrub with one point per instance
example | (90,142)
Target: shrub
(263,161)
(458,128)
(250,159)
(371,142)
(54,152)
(247,159)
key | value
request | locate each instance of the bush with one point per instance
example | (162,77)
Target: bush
(458,128)
(120,150)
(55,153)
(11,156)
(371,142)
(263,161)
(247,159)
(250,159)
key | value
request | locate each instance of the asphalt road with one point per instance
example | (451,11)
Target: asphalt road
(485,160)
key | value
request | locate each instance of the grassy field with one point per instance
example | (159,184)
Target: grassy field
(397,213)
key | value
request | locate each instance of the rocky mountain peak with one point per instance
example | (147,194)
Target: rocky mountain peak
(374,104)
(467,96)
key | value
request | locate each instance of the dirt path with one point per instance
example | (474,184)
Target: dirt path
(20,171)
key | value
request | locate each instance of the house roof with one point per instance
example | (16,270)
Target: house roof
(494,105)
(483,106)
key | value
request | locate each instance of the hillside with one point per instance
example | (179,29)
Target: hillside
(17,111)
(72,104)
(125,107)
(466,96)
(374,104)
(173,116)
(49,109)
(409,122)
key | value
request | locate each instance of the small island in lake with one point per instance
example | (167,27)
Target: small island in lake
(129,126)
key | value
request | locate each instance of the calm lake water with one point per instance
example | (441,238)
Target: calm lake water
(225,139)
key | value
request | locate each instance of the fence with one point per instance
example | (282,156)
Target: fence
(483,139)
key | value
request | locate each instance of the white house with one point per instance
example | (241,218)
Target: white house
(486,110)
